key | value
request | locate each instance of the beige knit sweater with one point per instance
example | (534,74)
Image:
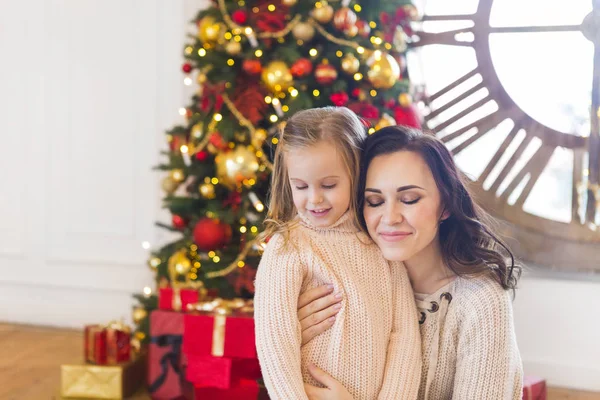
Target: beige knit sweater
(469,345)
(373,348)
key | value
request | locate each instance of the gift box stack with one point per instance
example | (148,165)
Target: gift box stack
(110,370)
(534,388)
(202,347)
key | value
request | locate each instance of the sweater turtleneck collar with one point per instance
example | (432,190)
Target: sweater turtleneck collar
(344,224)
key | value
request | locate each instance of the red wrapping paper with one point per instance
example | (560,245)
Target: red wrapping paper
(166,363)
(534,388)
(106,345)
(187,296)
(248,390)
(222,372)
(239,339)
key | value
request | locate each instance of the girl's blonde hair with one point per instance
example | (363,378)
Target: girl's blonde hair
(339,126)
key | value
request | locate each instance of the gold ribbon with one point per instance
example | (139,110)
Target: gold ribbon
(220,309)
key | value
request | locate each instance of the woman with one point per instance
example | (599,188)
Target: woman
(417,209)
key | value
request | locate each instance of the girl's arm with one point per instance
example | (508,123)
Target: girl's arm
(403,363)
(278,337)
(488,360)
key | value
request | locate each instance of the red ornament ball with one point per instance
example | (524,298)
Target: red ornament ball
(364,29)
(187,68)
(325,74)
(211,234)
(252,67)
(344,18)
(202,156)
(407,116)
(178,222)
(339,99)
(240,17)
(301,68)
(217,140)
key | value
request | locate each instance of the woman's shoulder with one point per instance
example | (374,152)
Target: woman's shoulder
(481,296)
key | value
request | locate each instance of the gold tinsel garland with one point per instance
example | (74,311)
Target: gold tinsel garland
(231,267)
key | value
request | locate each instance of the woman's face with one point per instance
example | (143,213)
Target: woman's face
(402,205)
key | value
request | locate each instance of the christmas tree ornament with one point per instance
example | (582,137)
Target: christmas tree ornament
(364,30)
(344,18)
(400,40)
(207,190)
(209,30)
(407,116)
(252,67)
(233,48)
(201,78)
(179,263)
(178,222)
(201,156)
(169,185)
(325,73)
(339,99)
(260,135)
(350,64)
(323,12)
(301,68)
(154,262)
(196,132)
(177,175)
(239,17)
(303,31)
(289,3)
(139,314)
(236,165)
(386,120)
(277,76)
(405,99)
(351,31)
(187,68)
(211,234)
(383,70)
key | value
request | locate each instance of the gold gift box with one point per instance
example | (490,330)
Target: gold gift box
(102,381)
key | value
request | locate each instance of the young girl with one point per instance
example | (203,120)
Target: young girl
(373,347)
(416,207)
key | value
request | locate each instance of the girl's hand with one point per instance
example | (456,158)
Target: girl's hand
(316,311)
(333,389)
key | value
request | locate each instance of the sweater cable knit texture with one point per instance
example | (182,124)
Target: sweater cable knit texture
(469,345)
(373,348)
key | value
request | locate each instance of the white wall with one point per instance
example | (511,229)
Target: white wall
(557,318)
(87,88)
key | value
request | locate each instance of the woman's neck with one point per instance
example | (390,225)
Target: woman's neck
(427,271)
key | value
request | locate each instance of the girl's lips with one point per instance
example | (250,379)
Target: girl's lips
(322,213)
(394,236)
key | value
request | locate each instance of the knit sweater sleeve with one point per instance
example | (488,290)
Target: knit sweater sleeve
(403,362)
(488,360)
(278,337)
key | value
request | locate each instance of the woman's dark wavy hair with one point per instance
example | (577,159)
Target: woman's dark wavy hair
(469,245)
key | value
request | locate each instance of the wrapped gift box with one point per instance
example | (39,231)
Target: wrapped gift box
(177,299)
(534,388)
(108,344)
(165,360)
(102,381)
(221,372)
(247,390)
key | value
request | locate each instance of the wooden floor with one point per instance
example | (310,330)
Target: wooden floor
(31,359)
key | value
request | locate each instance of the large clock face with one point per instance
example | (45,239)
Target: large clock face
(513,90)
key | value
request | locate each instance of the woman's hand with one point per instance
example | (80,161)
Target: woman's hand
(316,311)
(333,390)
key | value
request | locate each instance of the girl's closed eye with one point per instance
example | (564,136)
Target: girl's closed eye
(301,187)
(329,186)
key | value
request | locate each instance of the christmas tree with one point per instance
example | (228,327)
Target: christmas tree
(256,63)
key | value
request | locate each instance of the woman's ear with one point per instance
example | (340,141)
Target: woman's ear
(445,215)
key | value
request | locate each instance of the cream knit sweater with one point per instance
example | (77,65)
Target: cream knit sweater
(469,345)
(373,348)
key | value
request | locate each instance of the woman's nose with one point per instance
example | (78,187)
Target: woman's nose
(392,214)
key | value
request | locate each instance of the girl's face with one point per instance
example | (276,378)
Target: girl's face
(320,183)
(402,205)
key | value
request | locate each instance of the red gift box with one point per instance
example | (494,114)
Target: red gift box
(166,363)
(107,344)
(221,372)
(247,390)
(177,299)
(534,388)
(220,336)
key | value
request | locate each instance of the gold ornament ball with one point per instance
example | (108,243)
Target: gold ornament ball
(136,346)
(209,31)
(179,264)
(405,99)
(233,48)
(154,262)
(289,3)
(197,131)
(140,335)
(277,76)
(169,185)
(386,120)
(207,190)
(139,313)
(177,175)
(236,165)
(303,31)
(259,138)
(351,31)
(384,71)
(201,79)
(323,14)
(350,64)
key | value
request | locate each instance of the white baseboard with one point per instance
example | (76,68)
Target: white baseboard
(567,376)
